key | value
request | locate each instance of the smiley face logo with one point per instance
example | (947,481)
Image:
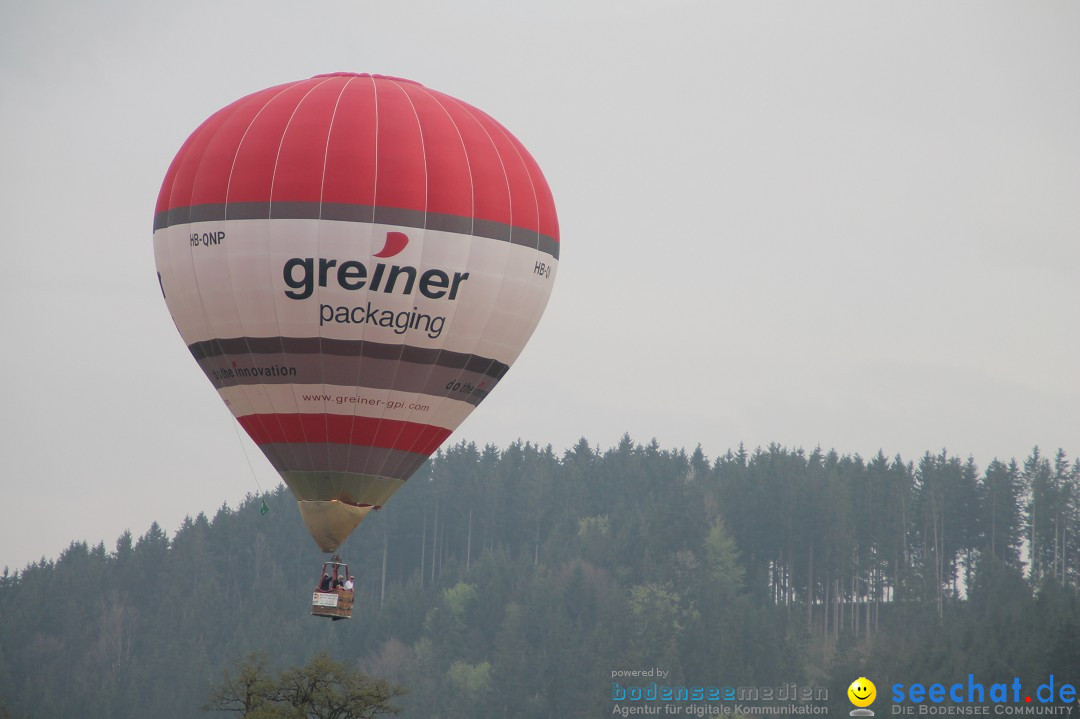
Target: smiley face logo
(862,692)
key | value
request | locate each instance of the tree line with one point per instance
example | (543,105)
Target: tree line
(511,582)
(841,535)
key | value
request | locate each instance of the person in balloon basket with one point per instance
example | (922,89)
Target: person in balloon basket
(324,584)
(349,583)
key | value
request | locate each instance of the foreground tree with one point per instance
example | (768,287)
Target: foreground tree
(324,688)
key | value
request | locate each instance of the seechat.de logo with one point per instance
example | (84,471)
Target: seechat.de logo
(862,694)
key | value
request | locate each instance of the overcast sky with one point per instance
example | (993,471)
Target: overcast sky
(851,225)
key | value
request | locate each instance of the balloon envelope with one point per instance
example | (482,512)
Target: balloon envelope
(354,261)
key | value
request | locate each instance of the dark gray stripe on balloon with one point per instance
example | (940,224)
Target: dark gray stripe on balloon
(358,213)
(463,384)
(325,485)
(327,347)
(354,488)
(351,458)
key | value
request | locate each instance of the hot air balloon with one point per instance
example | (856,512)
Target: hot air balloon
(354,261)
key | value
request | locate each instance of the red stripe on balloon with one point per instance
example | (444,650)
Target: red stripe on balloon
(298,173)
(349,177)
(344,429)
(400,152)
(446,163)
(328,138)
(253,170)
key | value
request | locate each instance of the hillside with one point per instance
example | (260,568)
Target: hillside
(513,582)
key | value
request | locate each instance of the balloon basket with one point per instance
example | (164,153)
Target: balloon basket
(330,598)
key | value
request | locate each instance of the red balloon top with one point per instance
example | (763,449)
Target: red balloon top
(349,144)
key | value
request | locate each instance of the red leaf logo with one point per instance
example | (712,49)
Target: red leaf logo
(395,243)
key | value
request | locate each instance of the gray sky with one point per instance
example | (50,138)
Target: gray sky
(845,224)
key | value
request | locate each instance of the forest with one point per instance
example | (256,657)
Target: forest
(513,582)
